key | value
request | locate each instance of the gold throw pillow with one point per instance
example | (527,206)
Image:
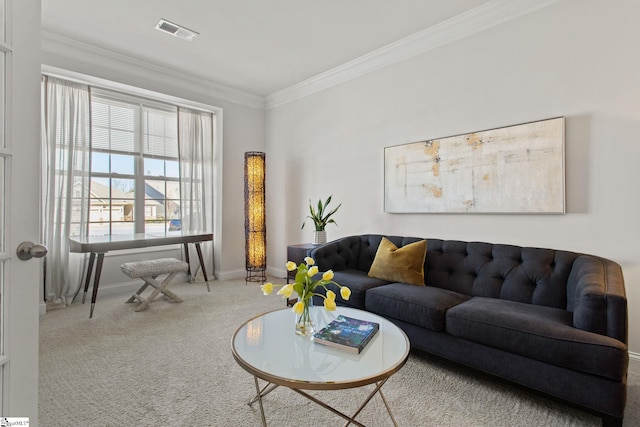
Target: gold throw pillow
(405,264)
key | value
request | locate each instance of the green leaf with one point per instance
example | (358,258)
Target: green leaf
(318,216)
(333,211)
(301,276)
(328,200)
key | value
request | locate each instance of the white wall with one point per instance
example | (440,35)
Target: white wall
(243,130)
(577,59)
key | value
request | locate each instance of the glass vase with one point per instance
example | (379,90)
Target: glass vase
(304,323)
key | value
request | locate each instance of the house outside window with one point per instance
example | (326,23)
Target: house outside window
(135,174)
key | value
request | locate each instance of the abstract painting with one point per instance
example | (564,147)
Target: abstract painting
(514,169)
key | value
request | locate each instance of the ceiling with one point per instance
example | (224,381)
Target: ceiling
(257,46)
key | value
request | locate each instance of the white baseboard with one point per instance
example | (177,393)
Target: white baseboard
(279,273)
(241,274)
(119,289)
(230,275)
(634,362)
(124,288)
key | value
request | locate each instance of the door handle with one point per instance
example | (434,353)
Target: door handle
(28,250)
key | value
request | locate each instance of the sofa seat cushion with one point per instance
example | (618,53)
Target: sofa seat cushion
(423,306)
(357,281)
(538,332)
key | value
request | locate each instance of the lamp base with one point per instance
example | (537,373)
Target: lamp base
(255,275)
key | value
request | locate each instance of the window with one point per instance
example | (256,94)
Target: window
(111,165)
(135,173)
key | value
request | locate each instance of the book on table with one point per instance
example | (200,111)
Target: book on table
(347,333)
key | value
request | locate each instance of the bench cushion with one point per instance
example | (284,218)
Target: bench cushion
(153,267)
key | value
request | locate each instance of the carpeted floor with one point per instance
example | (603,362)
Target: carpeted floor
(172,365)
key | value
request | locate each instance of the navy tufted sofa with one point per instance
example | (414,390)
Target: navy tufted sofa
(553,321)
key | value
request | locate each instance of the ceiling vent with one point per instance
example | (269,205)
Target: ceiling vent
(175,30)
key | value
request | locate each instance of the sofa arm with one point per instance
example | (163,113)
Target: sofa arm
(599,299)
(338,254)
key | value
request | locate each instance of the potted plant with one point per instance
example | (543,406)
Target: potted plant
(320,219)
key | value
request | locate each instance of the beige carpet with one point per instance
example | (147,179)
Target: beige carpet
(172,365)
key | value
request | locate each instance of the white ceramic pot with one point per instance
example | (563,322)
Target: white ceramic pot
(319,237)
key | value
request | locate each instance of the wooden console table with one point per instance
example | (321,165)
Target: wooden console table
(99,245)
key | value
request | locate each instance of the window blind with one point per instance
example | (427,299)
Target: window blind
(127,124)
(115,125)
(160,129)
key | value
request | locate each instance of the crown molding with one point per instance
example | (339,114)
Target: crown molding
(60,46)
(488,15)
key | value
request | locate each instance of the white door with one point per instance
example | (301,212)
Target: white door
(19,206)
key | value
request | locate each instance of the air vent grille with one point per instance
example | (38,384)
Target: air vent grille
(169,28)
(175,30)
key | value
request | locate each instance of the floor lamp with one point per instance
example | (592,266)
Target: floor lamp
(255,228)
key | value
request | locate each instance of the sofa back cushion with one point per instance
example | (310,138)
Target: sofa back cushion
(590,287)
(354,252)
(528,275)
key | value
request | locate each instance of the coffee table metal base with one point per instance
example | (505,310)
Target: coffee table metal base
(269,387)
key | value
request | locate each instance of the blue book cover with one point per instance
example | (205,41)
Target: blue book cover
(347,333)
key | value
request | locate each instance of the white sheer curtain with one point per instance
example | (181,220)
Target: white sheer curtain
(195,142)
(66,160)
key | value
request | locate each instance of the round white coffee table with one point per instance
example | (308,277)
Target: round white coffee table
(268,348)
